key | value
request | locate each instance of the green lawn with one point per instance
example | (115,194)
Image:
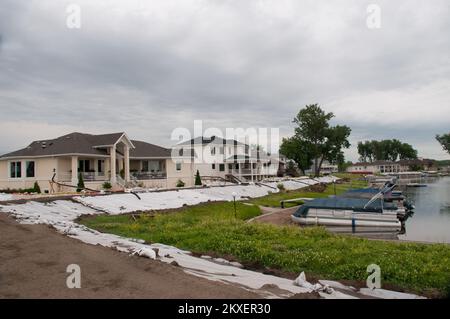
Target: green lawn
(273,200)
(212,228)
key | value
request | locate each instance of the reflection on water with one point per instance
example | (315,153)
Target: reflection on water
(430,221)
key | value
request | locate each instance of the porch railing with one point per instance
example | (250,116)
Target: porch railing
(245,171)
(148,175)
(87,176)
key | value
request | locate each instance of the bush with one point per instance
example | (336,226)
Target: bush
(80,185)
(180,183)
(281,187)
(198,180)
(106,185)
(36,188)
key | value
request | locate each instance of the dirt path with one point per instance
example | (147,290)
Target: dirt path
(276,216)
(33,261)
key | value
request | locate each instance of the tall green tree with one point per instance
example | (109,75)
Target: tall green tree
(385,150)
(444,140)
(298,151)
(315,140)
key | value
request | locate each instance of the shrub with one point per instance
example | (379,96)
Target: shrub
(36,188)
(106,185)
(281,187)
(180,183)
(198,180)
(80,185)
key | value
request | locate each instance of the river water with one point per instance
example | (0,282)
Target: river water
(431,219)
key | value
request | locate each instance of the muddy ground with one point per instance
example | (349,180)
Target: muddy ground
(33,261)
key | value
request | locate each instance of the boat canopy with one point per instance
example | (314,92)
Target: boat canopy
(370,192)
(343,203)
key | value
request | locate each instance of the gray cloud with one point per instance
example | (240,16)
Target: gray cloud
(148,67)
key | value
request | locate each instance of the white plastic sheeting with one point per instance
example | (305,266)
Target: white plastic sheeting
(126,203)
(4,197)
(61,214)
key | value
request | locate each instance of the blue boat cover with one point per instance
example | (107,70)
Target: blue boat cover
(344,203)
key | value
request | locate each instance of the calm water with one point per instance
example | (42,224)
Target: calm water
(431,219)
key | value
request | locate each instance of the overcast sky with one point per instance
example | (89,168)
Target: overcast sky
(147,67)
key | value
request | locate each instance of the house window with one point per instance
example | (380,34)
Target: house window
(84,165)
(230,166)
(101,166)
(15,169)
(178,166)
(30,168)
(213,151)
(222,167)
(213,166)
(145,166)
(254,165)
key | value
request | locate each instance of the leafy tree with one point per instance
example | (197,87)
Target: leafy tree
(291,170)
(299,152)
(444,140)
(198,180)
(80,185)
(315,140)
(407,152)
(342,167)
(385,150)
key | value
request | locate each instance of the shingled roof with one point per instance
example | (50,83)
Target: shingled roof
(147,150)
(208,140)
(87,144)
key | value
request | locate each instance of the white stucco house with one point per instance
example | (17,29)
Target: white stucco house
(98,158)
(228,159)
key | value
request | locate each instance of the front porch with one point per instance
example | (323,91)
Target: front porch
(148,169)
(246,167)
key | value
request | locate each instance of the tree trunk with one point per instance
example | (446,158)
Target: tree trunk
(317,173)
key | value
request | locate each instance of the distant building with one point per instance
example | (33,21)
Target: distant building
(378,167)
(374,167)
(421,164)
(326,169)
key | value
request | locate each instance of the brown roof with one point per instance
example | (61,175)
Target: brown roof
(144,149)
(81,143)
(208,140)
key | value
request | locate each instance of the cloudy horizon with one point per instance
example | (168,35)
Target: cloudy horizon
(148,67)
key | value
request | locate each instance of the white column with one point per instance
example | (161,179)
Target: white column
(74,170)
(240,169)
(113,164)
(251,170)
(127,163)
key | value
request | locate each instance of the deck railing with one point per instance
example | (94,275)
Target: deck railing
(148,175)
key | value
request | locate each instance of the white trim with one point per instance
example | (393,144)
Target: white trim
(53,155)
(144,158)
(128,139)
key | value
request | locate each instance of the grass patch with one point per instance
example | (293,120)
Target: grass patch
(273,200)
(212,228)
